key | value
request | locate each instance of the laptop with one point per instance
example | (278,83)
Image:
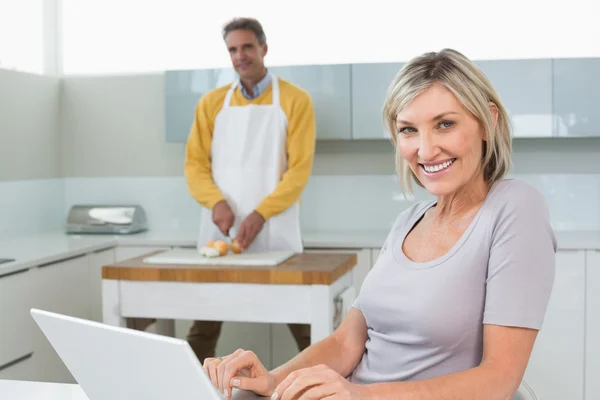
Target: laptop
(114,363)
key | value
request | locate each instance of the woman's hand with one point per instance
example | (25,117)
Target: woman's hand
(241,370)
(318,382)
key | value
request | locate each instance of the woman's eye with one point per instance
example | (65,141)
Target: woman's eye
(406,129)
(446,124)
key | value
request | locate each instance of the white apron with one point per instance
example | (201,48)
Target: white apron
(248,160)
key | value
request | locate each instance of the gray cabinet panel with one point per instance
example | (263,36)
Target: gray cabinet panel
(525,89)
(329,87)
(183,90)
(369,87)
(577,97)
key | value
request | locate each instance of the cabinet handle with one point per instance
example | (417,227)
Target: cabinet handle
(20,271)
(16,361)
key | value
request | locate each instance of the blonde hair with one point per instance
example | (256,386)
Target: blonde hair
(471,87)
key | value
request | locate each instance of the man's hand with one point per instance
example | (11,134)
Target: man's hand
(249,228)
(223,217)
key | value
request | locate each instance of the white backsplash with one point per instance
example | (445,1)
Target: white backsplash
(332,202)
(165,200)
(31,206)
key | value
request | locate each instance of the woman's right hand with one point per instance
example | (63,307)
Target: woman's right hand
(240,370)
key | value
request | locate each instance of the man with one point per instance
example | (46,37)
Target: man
(248,158)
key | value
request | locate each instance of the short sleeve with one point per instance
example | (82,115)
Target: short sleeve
(522,259)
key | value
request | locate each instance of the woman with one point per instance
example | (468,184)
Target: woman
(452,307)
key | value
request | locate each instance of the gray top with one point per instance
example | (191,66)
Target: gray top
(426,319)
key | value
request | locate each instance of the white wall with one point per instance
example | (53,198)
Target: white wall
(31,185)
(115,36)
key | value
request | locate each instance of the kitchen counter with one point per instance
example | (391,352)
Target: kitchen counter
(43,248)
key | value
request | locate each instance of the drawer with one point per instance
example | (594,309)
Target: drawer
(17,327)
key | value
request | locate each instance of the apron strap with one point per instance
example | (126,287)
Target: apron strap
(275,84)
(229,94)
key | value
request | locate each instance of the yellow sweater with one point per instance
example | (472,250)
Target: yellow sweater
(301,135)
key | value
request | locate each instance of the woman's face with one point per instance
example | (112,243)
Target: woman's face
(441,141)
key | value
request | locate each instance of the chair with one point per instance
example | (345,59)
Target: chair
(525,392)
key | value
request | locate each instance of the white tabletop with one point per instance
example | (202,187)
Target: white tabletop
(21,390)
(25,390)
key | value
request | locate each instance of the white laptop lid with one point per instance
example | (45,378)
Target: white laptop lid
(113,363)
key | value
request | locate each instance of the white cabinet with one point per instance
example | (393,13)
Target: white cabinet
(592,337)
(16,325)
(576,96)
(329,88)
(96,261)
(556,367)
(525,89)
(60,287)
(370,83)
(183,90)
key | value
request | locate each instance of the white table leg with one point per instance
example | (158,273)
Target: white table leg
(165,327)
(321,323)
(111,303)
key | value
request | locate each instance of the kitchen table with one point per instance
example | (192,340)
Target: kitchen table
(308,288)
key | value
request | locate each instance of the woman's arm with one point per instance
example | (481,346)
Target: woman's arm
(242,369)
(341,351)
(505,358)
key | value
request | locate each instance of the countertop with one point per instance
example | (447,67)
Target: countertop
(48,247)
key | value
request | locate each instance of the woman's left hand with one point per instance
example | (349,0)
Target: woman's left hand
(320,382)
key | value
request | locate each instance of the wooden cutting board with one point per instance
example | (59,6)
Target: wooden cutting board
(190,256)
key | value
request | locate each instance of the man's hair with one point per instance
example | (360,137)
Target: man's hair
(250,24)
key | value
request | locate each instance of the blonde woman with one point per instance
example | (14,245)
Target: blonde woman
(452,307)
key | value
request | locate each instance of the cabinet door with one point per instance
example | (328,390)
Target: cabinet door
(556,367)
(96,262)
(329,87)
(370,83)
(60,287)
(16,325)
(592,336)
(525,89)
(183,90)
(576,96)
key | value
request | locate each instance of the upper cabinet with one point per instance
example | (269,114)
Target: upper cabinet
(370,83)
(577,97)
(183,90)
(543,97)
(525,90)
(329,87)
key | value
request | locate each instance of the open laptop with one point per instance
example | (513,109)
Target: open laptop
(113,363)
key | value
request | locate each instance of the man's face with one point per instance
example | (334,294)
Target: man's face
(246,53)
